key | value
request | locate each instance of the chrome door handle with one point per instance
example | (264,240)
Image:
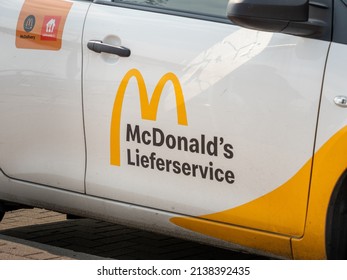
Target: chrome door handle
(99,47)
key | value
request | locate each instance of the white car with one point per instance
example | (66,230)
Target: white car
(219,121)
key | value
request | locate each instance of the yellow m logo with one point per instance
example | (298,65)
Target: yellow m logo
(149,108)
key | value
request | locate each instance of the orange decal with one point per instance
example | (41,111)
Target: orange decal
(41,24)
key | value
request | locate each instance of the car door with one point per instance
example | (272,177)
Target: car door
(41,125)
(198,117)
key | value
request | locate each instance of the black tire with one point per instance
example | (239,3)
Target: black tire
(336,234)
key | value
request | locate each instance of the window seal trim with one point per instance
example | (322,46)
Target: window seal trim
(166,11)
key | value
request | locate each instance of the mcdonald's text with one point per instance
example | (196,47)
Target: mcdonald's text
(158,138)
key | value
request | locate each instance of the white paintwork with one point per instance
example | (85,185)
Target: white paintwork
(332,117)
(259,91)
(41,120)
(93,207)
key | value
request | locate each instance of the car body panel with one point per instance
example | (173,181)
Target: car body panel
(207,131)
(41,121)
(330,162)
(235,92)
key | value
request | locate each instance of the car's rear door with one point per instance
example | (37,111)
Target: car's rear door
(41,123)
(203,118)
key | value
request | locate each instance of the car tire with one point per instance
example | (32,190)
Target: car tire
(336,225)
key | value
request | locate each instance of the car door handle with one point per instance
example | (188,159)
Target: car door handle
(99,47)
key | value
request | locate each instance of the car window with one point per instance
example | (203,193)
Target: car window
(214,8)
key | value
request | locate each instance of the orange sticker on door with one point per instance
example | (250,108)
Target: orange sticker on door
(41,24)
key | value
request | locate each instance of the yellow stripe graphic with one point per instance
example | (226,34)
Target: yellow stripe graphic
(283,211)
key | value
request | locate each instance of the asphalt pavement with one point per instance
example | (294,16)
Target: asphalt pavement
(39,234)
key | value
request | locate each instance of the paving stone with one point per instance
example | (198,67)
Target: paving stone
(113,239)
(119,253)
(5,256)
(115,246)
(42,256)
(42,234)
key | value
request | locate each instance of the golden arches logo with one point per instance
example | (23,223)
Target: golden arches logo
(149,108)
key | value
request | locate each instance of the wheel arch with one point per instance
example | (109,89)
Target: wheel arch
(336,221)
